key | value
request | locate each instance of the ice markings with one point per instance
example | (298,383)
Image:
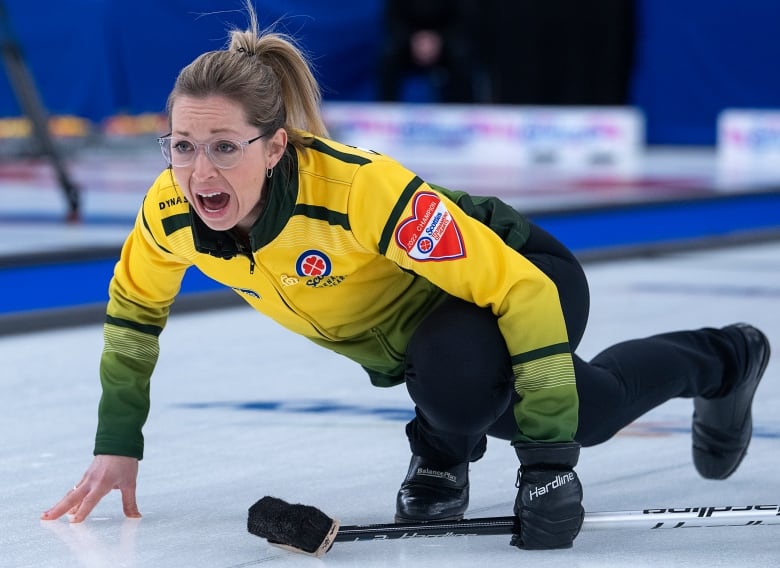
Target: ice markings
(310,407)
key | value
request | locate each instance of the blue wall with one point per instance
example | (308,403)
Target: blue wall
(597,233)
(697,57)
(97,58)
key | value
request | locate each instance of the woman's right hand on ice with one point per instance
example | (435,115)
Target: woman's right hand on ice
(104,474)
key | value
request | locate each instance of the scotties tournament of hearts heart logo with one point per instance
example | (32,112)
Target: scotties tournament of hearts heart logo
(430,233)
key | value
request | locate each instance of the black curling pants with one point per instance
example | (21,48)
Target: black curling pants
(459,375)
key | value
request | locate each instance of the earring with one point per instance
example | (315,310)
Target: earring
(269,172)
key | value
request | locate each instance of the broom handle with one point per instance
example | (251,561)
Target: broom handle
(669,518)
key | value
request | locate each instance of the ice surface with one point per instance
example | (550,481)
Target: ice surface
(263,412)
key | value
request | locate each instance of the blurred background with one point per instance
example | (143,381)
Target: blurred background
(681,62)
(621,125)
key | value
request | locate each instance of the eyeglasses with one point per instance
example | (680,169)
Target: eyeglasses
(224,154)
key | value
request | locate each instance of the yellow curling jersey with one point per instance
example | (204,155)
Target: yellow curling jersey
(352,251)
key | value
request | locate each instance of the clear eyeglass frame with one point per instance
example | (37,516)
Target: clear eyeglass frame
(224,153)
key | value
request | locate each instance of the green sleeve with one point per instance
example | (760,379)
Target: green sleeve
(129,355)
(549,406)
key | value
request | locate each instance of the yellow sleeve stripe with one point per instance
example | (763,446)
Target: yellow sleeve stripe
(548,372)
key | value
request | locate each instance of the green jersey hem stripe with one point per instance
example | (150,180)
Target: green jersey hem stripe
(147,329)
(556,349)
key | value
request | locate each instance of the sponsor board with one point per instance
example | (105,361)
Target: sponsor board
(610,138)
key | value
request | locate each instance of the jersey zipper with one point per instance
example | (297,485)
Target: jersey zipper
(246,251)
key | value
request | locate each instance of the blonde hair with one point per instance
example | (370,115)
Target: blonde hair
(264,72)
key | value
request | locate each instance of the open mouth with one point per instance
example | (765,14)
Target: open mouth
(213,202)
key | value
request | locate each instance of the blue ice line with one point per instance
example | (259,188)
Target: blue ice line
(406,414)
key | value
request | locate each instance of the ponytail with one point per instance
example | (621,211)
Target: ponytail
(298,88)
(267,74)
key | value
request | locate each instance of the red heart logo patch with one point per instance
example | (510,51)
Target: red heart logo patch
(430,233)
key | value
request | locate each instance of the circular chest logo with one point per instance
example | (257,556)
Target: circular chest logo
(313,263)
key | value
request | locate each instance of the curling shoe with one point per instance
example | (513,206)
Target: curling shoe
(722,427)
(431,492)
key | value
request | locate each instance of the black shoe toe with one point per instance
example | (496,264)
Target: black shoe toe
(432,492)
(722,427)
